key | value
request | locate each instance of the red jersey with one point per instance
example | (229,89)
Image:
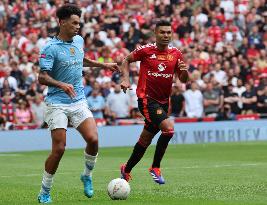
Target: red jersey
(157,69)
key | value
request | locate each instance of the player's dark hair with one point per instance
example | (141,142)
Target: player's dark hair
(65,11)
(163,23)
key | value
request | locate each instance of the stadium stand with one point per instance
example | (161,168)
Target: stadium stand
(223,42)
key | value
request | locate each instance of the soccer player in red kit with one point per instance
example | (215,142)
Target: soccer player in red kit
(159,64)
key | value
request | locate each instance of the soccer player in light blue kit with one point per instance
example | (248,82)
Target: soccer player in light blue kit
(61,62)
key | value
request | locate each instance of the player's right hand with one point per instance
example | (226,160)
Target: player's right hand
(69,89)
(125,85)
(112,66)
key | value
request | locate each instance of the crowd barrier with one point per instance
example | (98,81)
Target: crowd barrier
(110,136)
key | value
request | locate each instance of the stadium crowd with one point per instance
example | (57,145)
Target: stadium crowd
(224,42)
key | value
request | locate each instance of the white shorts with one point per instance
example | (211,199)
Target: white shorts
(58,116)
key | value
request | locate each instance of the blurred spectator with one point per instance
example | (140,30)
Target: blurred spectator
(6,88)
(226,113)
(219,74)
(32,91)
(218,88)
(118,104)
(13,84)
(196,76)
(184,27)
(214,33)
(106,89)
(7,111)
(249,99)
(229,8)
(25,64)
(231,98)
(102,78)
(239,90)
(232,79)
(24,115)
(162,9)
(16,73)
(211,101)
(193,101)
(43,39)
(262,102)
(131,37)
(96,104)
(132,93)
(261,63)
(87,87)
(38,107)
(177,101)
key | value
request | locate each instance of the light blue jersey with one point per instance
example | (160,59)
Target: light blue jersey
(64,62)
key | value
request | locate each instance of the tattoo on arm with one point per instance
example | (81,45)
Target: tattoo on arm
(91,63)
(45,79)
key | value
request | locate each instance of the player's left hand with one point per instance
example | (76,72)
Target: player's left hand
(125,84)
(112,66)
(182,65)
(183,76)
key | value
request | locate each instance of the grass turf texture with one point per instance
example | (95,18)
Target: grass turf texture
(201,174)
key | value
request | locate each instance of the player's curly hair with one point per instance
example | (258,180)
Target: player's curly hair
(65,11)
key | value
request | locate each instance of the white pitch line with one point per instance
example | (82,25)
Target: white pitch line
(219,166)
(10,155)
(166,168)
(33,175)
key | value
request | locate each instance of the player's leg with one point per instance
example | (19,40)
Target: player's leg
(139,150)
(58,149)
(84,122)
(89,132)
(144,141)
(167,130)
(57,122)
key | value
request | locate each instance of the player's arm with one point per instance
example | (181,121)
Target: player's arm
(45,79)
(92,63)
(125,82)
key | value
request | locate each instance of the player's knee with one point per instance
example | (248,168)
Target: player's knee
(169,132)
(59,150)
(92,139)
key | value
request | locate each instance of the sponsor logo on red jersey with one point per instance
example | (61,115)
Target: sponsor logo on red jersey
(163,75)
(162,67)
(167,57)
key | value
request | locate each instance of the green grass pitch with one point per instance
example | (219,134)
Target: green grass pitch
(200,174)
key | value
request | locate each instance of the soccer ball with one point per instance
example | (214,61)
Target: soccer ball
(118,189)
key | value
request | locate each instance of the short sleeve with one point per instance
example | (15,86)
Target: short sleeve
(46,59)
(139,53)
(79,40)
